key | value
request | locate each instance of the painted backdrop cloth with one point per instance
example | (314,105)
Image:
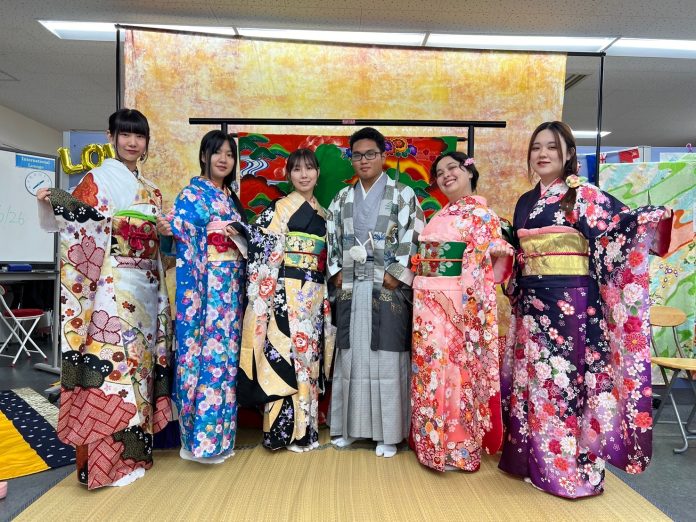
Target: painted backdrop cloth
(287,346)
(576,374)
(370,385)
(209,295)
(262,159)
(455,386)
(114,322)
(673,277)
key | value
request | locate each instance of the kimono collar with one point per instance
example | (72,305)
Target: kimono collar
(544,188)
(366,192)
(206,183)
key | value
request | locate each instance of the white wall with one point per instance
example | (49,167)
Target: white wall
(24,133)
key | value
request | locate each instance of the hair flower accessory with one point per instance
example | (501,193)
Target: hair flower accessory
(468,162)
(574,181)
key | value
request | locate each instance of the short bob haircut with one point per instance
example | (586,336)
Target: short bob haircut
(459,157)
(368,133)
(305,156)
(210,144)
(130,121)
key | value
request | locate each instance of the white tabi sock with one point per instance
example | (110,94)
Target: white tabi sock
(343,442)
(295,448)
(386,450)
(129,479)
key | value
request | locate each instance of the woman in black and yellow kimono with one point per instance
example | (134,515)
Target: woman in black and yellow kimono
(287,343)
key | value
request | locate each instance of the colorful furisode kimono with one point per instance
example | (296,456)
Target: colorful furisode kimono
(209,295)
(287,346)
(455,384)
(114,322)
(576,373)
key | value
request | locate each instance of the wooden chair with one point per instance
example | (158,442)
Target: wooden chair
(670,317)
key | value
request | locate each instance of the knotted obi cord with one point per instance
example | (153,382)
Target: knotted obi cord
(135,234)
(436,259)
(555,250)
(305,251)
(220,246)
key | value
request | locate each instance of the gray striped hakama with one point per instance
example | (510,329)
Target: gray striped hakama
(370,389)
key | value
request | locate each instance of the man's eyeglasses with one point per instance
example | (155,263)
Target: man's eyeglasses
(369,155)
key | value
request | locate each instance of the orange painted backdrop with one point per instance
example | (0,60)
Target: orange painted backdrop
(171,77)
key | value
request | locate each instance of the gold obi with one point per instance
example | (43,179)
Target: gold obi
(134,234)
(305,251)
(554,253)
(222,248)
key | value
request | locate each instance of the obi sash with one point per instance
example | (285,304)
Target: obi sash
(553,251)
(437,259)
(221,247)
(305,251)
(134,235)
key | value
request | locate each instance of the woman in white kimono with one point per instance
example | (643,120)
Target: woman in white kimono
(115,325)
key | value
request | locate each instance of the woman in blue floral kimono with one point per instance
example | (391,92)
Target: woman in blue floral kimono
(209,295)
(576,373)
(287,346)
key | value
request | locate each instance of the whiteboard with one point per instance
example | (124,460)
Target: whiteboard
(22,174)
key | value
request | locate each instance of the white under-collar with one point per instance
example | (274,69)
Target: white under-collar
(364,192)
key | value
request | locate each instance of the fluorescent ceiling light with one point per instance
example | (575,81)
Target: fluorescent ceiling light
(358,37)
(645,47)
(228,31)
(106,32)
(589,134)
(97,31)
(518,43)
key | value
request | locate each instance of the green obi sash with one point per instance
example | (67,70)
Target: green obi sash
(437,259)
(305,251)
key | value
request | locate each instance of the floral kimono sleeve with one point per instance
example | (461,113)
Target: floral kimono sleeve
(189,220)
(618,419)
(334,238)
(480,229)
(329,343)
(97,397)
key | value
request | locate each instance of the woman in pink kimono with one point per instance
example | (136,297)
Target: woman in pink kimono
(115,325)
(455,387)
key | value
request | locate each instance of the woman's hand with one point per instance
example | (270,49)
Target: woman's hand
(164,227)
(501,249)
(667,215)
(43,194)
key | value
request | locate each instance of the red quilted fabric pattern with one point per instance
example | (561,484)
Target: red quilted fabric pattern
(87,415)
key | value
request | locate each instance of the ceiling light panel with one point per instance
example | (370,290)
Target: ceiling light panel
(518,43)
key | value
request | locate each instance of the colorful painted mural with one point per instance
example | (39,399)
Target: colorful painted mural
(171,77)
(262,164)
(672,279)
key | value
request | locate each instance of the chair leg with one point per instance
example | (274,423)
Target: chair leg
(27,337)
(663,401)
(31,341)
(685,438)
(693,409)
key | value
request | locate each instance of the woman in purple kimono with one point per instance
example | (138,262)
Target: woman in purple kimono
(576,372)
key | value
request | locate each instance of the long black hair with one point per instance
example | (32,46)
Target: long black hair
(131,121)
